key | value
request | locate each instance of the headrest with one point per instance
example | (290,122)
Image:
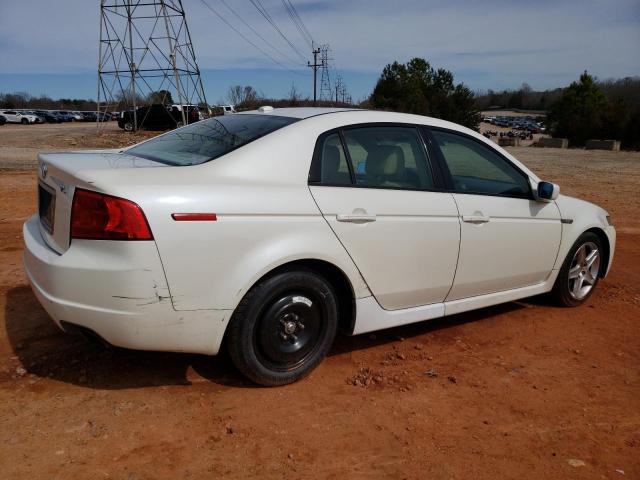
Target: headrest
(386,161)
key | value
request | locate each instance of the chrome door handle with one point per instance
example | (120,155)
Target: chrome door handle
(355,218)
(475,218)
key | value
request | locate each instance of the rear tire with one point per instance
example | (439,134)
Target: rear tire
(24,121)
(283,327)
(580,271)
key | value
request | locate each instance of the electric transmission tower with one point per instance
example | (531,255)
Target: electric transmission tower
(326,93)
(340,90)
(146,56)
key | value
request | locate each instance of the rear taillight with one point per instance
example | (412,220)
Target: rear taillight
(102,217)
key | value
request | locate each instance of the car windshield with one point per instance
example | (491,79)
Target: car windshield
(208,139)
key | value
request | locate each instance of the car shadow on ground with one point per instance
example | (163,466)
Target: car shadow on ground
(46,351)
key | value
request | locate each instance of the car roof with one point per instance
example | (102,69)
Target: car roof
(299,112)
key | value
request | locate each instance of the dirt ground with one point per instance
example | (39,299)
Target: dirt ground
(521,390)
(20,144)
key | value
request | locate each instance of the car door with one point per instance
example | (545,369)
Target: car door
(508,240)
(11,116)
(378,191)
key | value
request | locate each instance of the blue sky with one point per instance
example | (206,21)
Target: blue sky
(51,47)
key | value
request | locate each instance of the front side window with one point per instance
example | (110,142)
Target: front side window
(388,157)
(208,139)
(476,168)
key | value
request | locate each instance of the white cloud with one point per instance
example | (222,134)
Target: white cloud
(486,43)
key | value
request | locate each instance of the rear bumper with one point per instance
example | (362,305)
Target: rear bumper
(119,291)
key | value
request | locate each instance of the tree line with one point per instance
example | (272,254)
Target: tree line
(585,109)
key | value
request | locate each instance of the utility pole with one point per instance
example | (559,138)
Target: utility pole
(315,66)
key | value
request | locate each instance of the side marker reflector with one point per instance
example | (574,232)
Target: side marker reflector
(194,217)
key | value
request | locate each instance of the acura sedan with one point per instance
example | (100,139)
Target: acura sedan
(271,230)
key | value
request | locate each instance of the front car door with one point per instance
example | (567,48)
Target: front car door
(508,240)
(376,188)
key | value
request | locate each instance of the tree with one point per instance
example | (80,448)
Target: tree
(294,96)
(416,87)
(580,112)
(161,96)
(243,96)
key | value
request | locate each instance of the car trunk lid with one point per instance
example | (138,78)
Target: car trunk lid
(58,176)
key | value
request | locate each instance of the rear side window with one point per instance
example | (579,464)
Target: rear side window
(376,157)
(476,168)
(388,157)
(208,139)
(334,169)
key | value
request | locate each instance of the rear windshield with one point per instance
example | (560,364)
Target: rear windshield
(208,139)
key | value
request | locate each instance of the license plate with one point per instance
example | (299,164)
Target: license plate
(46,206)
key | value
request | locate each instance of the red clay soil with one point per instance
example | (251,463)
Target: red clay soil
(521,390)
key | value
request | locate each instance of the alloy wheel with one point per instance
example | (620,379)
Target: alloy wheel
(583,272)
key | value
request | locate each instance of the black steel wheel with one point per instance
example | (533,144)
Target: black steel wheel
(283,327)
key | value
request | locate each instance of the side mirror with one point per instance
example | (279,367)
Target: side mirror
(547,191)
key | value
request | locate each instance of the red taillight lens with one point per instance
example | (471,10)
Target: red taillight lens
(102,217)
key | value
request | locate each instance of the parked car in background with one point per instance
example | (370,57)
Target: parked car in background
(39,118)
(228,109)
(65,115)
(272,229)
(70,116)
(49,117)
(14,116)
(157,117)
(89,116)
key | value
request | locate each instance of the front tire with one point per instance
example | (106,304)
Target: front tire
(24,121)
(283,327)
(128,127)
(580,271)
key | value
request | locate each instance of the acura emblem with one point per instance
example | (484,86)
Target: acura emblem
(43,170)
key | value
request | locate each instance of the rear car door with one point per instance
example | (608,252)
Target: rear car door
(11,116)
(508,240)
(380,193)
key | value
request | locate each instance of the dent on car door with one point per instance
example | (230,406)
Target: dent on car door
(375,188)
(508,240)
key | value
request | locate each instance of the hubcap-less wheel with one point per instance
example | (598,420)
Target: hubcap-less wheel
(283,327)
(583,272)
(288,331)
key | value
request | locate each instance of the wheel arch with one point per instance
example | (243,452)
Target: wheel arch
(339,280)
(606,246)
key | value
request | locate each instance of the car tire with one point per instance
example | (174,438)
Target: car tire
(24,121)
(283,327)
(128,126)
(580,271)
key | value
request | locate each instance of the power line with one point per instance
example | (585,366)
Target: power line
(247,40)
(239,17)
(295,18)
(265,14)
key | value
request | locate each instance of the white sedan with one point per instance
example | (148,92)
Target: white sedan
(272,229)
